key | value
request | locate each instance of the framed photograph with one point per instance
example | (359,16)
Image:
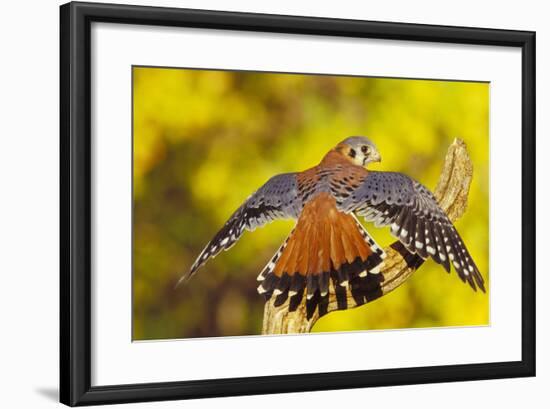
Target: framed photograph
(261,203)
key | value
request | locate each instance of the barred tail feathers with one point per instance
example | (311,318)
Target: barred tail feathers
(327,247)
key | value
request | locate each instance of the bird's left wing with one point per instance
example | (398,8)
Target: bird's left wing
(277,199)
(390,198)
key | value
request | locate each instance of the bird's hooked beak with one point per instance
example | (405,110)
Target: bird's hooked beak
(373,157)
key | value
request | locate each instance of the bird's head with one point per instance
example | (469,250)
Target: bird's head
(358,150)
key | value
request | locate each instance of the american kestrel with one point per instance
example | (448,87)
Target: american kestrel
(328,244)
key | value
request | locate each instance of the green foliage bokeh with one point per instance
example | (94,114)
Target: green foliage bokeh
(205,140)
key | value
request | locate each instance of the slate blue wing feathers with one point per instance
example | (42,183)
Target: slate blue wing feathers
(277,199)
(391,198)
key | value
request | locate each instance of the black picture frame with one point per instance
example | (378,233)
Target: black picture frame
(76,197)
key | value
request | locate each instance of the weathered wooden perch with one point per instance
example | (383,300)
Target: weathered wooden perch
(451,193)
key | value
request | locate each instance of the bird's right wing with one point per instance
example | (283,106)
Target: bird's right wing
(390,198)
(277,199)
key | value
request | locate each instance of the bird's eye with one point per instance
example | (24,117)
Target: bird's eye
(364,149)
(352,153)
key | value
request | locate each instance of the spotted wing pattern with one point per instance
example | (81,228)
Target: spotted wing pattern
(276,199)
(390,198)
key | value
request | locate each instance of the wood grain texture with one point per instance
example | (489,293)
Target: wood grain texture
(451,193)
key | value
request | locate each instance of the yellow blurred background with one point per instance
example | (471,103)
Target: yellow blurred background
(205,140)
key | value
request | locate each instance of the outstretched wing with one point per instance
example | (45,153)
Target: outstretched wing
(390,198)
(277,199)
